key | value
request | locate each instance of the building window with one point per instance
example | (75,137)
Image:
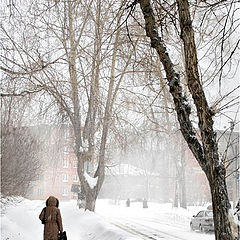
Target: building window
(75,164)
(66,133)
(40,178)
(65,192)
(75,178)
(40,191)
(65,150)
(65,177)
(65,163)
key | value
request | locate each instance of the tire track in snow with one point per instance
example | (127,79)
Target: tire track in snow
(145,232)
(134,231)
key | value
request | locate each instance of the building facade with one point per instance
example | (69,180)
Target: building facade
(59,165)
(173,170)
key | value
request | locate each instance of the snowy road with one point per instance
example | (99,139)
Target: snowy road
(146,232)
(158,222)
(157,231)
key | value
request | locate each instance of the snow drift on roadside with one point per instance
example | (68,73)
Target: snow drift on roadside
(21,222)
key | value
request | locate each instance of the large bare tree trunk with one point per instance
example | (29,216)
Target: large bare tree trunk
(91,194)
(214,167)
(207,152)
(78,85)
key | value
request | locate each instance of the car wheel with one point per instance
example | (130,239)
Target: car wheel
(191,226)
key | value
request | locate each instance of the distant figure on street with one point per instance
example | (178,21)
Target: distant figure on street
(145,205)
(209,207)
(128,202)
(51,218)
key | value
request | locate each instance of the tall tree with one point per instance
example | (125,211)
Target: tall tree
(206,151)
(75,57)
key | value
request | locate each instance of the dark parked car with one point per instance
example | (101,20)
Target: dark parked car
(203,221)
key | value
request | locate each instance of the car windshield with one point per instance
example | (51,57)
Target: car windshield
(209,214)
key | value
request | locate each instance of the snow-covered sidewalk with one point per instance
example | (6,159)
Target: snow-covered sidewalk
(21,222)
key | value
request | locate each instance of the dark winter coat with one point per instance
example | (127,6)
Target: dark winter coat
(53,219)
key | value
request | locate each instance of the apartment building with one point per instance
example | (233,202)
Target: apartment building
(58,175)
(59,171)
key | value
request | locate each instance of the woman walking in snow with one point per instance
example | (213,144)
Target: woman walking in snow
(51,218)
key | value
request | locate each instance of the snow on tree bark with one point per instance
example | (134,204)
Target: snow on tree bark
(206,152)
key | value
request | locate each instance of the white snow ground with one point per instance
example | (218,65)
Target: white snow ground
(159,221)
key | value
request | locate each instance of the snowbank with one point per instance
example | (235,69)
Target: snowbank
(21,222)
